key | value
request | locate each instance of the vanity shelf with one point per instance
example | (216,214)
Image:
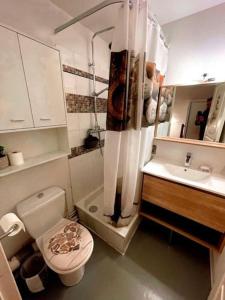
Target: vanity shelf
(193,213)
(200,234)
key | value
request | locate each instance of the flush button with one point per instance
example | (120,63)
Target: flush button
(40,195)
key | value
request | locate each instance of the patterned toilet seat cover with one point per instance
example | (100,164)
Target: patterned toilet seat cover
(67,245)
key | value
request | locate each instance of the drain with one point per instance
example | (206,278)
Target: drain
(93,208)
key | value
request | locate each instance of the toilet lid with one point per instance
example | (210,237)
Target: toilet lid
(66,246)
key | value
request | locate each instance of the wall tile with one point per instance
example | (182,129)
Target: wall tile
(69,83)
(201,155)
(84,104)
(99,87)
(85,121)
(67,57)
(80,150)
(102,119)
(83,85)
(73,121)
(83,135)
(84,74)
(84,181)
(75,139)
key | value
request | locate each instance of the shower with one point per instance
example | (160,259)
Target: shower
(95,94)
(96,130)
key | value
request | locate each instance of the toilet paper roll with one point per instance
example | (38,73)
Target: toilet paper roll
(10,219)
(16,158)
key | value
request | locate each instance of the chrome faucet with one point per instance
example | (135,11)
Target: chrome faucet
(188,160)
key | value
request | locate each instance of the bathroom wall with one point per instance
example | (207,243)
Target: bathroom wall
(196,46)
(201,155)
(86,167)
(38,19)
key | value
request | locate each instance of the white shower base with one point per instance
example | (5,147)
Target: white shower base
(90,212)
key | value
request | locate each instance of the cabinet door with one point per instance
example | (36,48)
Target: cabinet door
(44,81)
(15,110)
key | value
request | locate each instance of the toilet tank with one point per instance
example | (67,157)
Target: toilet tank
(42,210)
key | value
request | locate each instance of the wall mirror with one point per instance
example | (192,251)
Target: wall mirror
(194,112)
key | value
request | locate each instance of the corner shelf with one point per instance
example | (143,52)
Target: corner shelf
(33,161)
(38,147)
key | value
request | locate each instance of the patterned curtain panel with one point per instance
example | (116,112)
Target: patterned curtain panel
(133,95)
(117,99)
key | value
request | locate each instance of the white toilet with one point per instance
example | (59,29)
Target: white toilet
(65,245)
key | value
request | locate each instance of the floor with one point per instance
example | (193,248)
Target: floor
(151,269)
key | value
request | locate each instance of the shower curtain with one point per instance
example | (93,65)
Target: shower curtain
(133,94)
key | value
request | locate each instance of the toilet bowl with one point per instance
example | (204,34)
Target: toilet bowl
(66,246)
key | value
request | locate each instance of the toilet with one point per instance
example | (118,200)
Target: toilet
(66,246)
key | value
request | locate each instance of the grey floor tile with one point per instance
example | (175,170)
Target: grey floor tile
(151,269)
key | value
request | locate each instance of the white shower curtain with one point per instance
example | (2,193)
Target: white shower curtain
(157,53)
(127,144)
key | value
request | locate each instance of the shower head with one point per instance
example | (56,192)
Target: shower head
(91,64)
(101,31)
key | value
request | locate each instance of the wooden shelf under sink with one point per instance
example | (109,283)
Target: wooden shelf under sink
(193,213)
(198,233)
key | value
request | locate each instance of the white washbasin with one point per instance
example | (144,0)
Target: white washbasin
(211,182)
(186,173)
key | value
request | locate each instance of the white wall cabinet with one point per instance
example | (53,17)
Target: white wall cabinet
(15,110)
(44,81)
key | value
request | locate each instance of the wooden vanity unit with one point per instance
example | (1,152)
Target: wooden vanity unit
(196,214)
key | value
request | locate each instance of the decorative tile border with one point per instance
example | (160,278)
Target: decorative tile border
(84,104)
(80,150)
(84,74)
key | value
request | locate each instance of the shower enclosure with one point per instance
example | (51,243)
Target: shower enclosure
(90,208)
(90,211)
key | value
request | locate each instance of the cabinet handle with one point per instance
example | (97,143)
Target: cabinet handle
(45,119)
(17,120)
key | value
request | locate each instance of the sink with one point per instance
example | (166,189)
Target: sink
(186,173)
(211,182)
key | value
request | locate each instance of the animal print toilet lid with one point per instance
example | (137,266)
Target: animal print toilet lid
(67,245)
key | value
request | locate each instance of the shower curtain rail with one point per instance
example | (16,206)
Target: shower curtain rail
(87,13)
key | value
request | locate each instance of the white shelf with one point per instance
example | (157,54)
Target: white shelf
(32,129)
(34,161)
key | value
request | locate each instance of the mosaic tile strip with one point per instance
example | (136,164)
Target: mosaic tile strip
(84,104)
(84,74)
(80,150)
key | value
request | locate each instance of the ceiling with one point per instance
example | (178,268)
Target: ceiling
(171,10)
(165,11)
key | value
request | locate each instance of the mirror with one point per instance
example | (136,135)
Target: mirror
(194,112)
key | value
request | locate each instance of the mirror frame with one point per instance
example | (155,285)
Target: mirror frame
(184,140)
(191,142)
